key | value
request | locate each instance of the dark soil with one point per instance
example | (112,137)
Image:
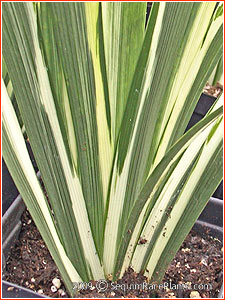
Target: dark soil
(197,265)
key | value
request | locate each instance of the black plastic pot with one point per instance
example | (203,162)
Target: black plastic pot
(18,291)
(211,219)
(11,226)
(202,107)
(9,190)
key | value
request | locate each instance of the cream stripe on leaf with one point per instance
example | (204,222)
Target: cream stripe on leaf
(156,218)
(56,79)
(105,141)
(191,85)
(149,194)
(120,177)
(185,211)
(144,103)
(18,161)
(105,103)
(38,110)
(123,34)
(156,230)
(195,40)
(78,68)
(166,199)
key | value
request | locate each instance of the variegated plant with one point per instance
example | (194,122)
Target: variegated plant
(105,102)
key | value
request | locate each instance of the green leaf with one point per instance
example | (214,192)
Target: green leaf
(191,88)
(26,68)
(219,11)
(149,195)
(18,161)
(192,199)
(105,103)
(123,34)
(56,79)
(167,49)
(218,72)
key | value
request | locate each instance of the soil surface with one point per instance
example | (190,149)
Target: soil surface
(195,272)
(213,90)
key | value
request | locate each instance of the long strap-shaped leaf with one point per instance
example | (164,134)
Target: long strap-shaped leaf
(149,194)
(116,199)
(18,161)
(96,48)
(190,202)
(112,29)
(170,27)
(123,33)
(56,79)
(80,64)
(189,85)
(23,57)
(176,193)
(104,121)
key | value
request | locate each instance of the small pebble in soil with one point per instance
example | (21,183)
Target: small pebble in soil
(53,289)
(61,292)
(185,250)
(193,271)
(205,256)
(195,294)
(57,283)
(203,262)
(40,291)
(171,295)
